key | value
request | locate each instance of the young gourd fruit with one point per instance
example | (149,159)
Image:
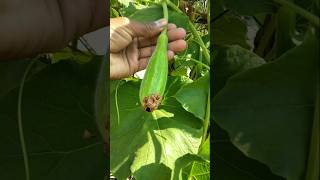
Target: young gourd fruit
(155,78)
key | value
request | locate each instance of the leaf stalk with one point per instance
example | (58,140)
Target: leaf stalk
(304,13)
(20,125)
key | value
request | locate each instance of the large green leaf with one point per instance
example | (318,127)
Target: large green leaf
(193,96)
(61,135)
(155,12)
(132,8)
(194,166)
(140,140)
(149,171)
(251,7)
(198,168)
(229,163)
(268,110)
(229,30)
(230,60)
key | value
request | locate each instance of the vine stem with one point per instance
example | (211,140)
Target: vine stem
(197,36)
(165,10)
(304,13)
(20,125)
(116,101)
(197,62)
(206,121)
(194,33)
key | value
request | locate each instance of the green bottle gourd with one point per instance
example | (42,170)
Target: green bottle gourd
(155,78)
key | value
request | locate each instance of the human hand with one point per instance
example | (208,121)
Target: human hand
(132,44)
(37,26)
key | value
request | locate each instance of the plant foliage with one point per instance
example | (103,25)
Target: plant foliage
(170,142)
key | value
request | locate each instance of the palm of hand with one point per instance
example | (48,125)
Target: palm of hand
(129,54)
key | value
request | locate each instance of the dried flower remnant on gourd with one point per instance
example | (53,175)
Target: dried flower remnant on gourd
(152,102)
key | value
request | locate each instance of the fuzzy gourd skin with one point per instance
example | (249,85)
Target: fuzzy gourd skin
(155,78)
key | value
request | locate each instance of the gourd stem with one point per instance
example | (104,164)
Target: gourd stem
(165,15)
(165,10)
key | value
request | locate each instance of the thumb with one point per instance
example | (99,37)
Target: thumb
(146,29)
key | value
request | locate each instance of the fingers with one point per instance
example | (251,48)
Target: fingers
(123,31)
(143,62)
(137,29)
(173,34)
(171,26)
(175,46)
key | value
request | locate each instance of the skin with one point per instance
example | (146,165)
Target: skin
(36,26)
(132,44)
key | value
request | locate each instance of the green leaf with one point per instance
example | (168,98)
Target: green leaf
(131,9)
(193,96)
(150,171)
(155,13)
(125,2)
(182,64)
(174,84)
(229,30)
(61,135)
(251,7)
(191,166)
(230,163)
(268,110)
(113,13)
(139,142)
(231,60)
(198,170)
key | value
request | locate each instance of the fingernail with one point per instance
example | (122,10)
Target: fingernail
(161,22)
